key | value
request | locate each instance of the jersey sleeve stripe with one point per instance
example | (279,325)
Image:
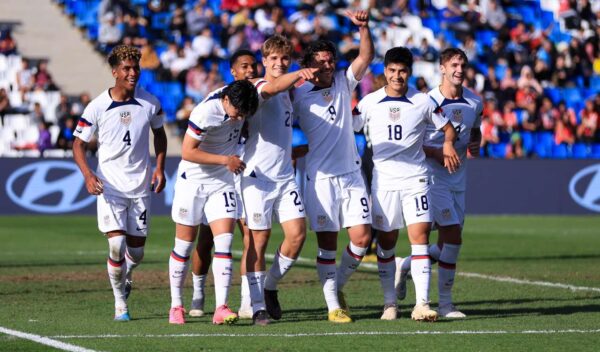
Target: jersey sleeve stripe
(83,122)
(197,130)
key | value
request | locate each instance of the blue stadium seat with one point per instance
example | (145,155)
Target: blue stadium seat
(147,77)
(497,151)
(298,137)
(595,83)
(527,141)
(554,94)
(377,68)
(432,23)
(500,71)
(361,143)
(485,37)
(547,19)
(571,95)
(580,151)
(543,147)
(560,151)
(161,20)
(595,154)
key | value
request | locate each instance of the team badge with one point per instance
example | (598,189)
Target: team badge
(457,115)
(394,113)
(379,220)
(446,213)
(327,95)
(257,217)
(183,212)
(106,219)
(321,220)
(125,118)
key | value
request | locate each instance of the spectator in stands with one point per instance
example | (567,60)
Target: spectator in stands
(493,15)
(561,75)
(254,36)
(528,80)
(421,85)
(586,131)
(547,115)
(65,137)
(564,130)
(63,110)
(79,105)
(183,114)
(511,125)
(109,32)
(117,7)
(181,64)
(196,81)
(24,77)
(45,139)
(197,20)
(7,44)
(5,107)
(134,30)
(178,24)
(37,114)
(203,44)
(168,56)
(42,79)
(489,134)
(149,60)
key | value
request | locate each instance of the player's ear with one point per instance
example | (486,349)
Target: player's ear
(114,72)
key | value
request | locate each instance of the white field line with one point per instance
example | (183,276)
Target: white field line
(44,340)
(373,267)
(348,333)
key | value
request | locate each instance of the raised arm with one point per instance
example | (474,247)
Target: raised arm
(287,81)
(366,50)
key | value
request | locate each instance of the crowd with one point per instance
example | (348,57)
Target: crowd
(36,119)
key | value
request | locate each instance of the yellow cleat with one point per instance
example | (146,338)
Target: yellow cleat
(339,316)
(342,301)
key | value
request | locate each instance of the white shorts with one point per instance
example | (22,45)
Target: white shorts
(448,206)
(264,200)
(337,202)
(131,215)
(393,209)
(193,202)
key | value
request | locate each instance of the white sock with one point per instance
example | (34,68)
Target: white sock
(222,267)
(179,263)
(281,265)
(199,282)
(421,271)
(434,252)
(386,263)
(133,258)
(256,280)
(351,259)
(447,271)
(246,302)
(115,266)
(327,274)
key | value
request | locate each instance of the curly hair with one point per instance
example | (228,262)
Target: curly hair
(121,53)
(243,96)
(276,43)
(315,47)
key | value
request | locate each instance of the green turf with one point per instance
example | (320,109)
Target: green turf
(53,283)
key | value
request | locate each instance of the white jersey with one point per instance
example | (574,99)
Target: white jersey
(268,148)
(465,114)
(396,127)
(325,116)
(123,129)
(218,134)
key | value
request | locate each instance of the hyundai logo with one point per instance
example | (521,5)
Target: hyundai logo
(33,187)
(584,188)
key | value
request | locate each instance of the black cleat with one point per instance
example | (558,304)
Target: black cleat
(261,318)
(272,303)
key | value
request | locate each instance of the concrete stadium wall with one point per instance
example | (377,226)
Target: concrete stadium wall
(55,186)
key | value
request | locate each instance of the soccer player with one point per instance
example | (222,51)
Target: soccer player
(268,183)
(243,66)
(335,193)
(395,118)
(463,108)
(121,117)
(205,188)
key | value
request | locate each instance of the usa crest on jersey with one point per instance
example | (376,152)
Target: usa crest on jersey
(326,93)
(457,115)
(394,113)
(125,118)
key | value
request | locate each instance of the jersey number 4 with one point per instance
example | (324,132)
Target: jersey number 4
(127,138)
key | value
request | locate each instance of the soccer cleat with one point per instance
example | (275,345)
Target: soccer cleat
(224,315)
(370,258)
(400,280)
(422,312)
(245,312)
(339,316)
(176,315)
(128,284)
(261,318)
(272,303)
(342,301)
(197,309)
(122,314)
(450,311)
(390,312)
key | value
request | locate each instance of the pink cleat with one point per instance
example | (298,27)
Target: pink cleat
(224,315)
(176,315)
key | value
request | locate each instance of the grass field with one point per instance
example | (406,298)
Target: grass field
(526,283)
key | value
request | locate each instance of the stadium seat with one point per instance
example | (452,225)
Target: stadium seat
(497,151)
(554,94)
(527,141)
(377,68)
(543,147)
(595,83)
(572,96)
(298,137)
(361,143)
(580,151)
(161,21)
(560,151)
(500,71)
(485,37)
(595,154)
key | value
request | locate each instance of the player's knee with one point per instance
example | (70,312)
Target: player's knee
(136,254)
(116,248)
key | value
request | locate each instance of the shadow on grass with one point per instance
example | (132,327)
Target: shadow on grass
(536,258)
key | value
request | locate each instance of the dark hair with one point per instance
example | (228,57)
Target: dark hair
(449,53)
(243,96)
(398,55)
(238,54)
(123,52)
(315,47)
